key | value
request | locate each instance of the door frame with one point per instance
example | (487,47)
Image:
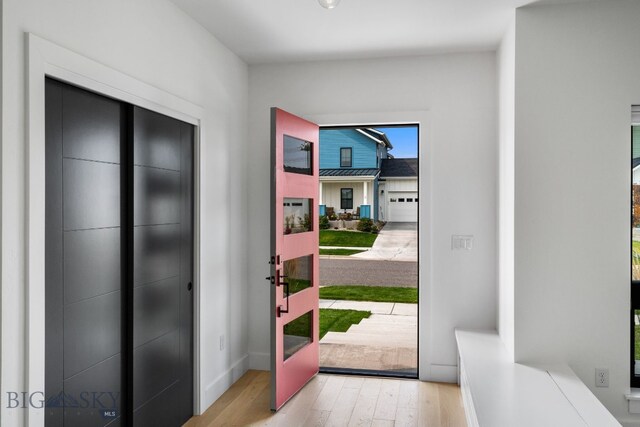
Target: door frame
(46,59)
(427,370)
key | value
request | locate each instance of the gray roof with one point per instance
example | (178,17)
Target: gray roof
(398,168)
(349,172)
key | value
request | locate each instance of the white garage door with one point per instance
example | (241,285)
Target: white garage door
(403,206)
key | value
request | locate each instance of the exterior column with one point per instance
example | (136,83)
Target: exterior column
(365,190)
(320,202)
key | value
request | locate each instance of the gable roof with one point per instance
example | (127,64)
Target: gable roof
(398,168)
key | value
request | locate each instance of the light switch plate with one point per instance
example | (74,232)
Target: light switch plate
(461,242)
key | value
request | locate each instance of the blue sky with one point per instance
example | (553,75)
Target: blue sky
(404,140)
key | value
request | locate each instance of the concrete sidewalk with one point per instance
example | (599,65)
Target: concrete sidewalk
(397,241)
(389,308)
(386,341)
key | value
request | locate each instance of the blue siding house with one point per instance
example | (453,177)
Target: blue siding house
(350,162)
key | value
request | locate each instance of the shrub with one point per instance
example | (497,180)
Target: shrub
(333,217)
(324,223)
(366,225)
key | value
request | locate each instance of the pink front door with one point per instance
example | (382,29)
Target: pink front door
(294,255)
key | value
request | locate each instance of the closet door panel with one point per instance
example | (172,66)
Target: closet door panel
(95,400)
(83,277)
(92,264)
(156,255)
(156,140)
(92,332)
(156,309)
(91,194)
(162,359)
(157,196)
(92,128)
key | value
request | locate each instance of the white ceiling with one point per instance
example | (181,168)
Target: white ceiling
(266,31)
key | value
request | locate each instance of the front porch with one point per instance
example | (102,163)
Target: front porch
(355,197)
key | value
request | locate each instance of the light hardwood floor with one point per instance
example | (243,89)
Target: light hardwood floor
(333,400)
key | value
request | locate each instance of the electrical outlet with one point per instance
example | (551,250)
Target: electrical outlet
(221,342)
(602,378)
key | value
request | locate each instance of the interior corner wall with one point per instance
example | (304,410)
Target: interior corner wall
(506,57)
(156,43)
(577,75)
(459,91)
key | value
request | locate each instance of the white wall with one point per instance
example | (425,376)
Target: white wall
(459,91)
(577,75)
(506,112)
(152,41)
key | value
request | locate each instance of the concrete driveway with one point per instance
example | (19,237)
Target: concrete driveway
(398,241)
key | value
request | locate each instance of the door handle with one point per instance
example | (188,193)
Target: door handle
(189,286)
(281,309)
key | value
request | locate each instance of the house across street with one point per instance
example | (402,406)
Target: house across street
(358,175)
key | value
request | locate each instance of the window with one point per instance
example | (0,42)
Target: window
(400,200)
(298,215)
(346,198)
(635,249)
(345,157)
(392,200)
(297,156)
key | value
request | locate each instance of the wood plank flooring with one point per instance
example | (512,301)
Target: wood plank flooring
(333,400)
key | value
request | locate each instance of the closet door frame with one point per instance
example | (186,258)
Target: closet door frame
(46,59)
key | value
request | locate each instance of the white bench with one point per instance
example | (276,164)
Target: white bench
(499,393)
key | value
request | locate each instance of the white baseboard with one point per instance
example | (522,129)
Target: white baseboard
(444,373)
(222,383)
(260,361)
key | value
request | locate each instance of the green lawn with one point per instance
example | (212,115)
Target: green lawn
(339,320)
(370,293)
(330,320)
(355,239)
(339,252)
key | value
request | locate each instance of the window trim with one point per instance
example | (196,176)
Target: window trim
(350,165)
(342,199)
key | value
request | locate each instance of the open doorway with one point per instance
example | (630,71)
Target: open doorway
(368,199)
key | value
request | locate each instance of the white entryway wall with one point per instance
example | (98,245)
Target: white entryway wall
(155,43)
(456,88)
(576,78)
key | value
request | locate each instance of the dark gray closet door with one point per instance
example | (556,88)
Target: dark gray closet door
(162,270)
(119,263)
(83,238)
